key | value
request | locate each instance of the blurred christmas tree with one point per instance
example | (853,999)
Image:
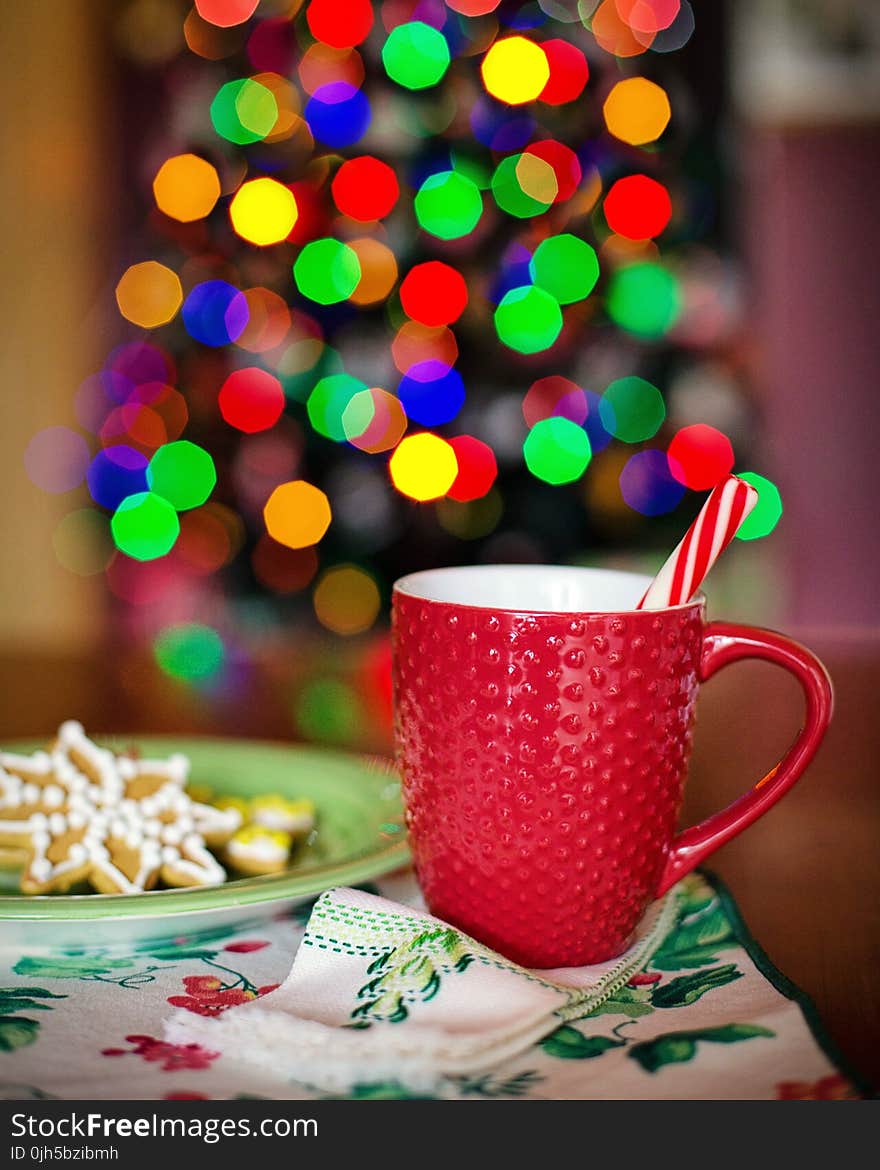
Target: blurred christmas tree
(405,284)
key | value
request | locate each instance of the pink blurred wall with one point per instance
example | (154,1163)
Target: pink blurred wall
(813,240)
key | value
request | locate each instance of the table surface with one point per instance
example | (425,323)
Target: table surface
(806,876)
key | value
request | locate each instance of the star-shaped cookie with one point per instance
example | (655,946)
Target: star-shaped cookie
(80,813)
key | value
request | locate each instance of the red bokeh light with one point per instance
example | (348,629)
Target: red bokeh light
(251,400)
(312,220)
(365,188)
(340,23)
(648,16)
(415,342)
(565,166)
(638,207)
(699,456)
(554,395)
(434,293)
(569,72)
(477,469)
(226,13)
(281,569)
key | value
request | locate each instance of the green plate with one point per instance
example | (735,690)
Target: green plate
(360,836)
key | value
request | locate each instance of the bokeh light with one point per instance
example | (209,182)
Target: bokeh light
(515,70)
(327,271)
(524,185)
(766,513)
(251,400)
(327,403)
(415,342)
(340,23)
(115,473)
(569,72)
(365,188)
(182,473)
(528,319)
(637,207)
(700,456)
(434,293)
(632,410)
(637,111)
(149,294)
(378,271)
(564,163)
(329,710)
(614,33)
(566,267)
(338,114)
(210,537)
(145,526)
(189,651)
(557,450)
(415,55)
(263,211)
(477,469)
(297,514)
(57,459)
(268,320)
(374,420)
(244,111)
(423,466)
(448,205)
(186,188)
(554,395)
(647,484)
(431,393)
(346,600)
(644,299)
(281,569)
(215,313)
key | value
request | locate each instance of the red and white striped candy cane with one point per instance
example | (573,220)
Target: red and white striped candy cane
(709,535)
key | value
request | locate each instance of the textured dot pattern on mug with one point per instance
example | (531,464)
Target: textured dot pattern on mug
(572,735)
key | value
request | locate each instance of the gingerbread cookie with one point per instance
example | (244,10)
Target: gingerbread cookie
(296,817)
(80,813)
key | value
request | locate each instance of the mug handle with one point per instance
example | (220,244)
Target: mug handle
(724,643)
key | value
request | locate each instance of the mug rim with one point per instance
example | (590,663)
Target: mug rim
(400,588)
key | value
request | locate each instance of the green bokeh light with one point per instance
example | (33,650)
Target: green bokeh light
(448,205)
(566,267)
(328,710)
(644,299)
(328,402)
(189,651)
(244,111)
(557,450)
(508,192)
(145,526)
(632,409)
(528,319)
(766,514)
(327,271)
(472,168)
(183,474)
(415,55)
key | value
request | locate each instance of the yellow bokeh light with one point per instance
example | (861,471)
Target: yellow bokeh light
(378,271)
(346,600)
(186,187)
(537,178)
(423,467)
(637,111)
(297,514)
(515,70)
(149,294)
(263,211)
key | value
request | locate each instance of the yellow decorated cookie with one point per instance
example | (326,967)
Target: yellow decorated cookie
(296,817)
(258,850)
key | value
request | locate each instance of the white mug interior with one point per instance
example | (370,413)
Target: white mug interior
(529,588)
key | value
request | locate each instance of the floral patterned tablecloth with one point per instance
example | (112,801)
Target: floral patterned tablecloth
(707,1018)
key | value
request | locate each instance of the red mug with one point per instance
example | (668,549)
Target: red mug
(543,729)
